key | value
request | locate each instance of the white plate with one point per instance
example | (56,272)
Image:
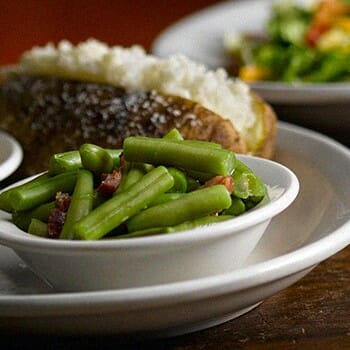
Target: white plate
(10,155)
(200,37)
(316,226)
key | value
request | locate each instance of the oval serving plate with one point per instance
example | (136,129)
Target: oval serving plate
(311,230)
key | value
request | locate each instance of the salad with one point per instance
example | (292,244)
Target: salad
(301,44)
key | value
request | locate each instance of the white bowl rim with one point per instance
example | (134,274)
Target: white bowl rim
(24,240)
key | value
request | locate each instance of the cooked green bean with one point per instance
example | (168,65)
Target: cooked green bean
(205,144)
(133,173)
(190,206)
(192,183)
(165,197)
(115,154)
(22,218)
(98,199)
(71,160)
(119,208)
(5,202)
(38,228)
(147,232)
(81,202)
(179,154)
(25,198)
(247,184)
(187,225)
(66,161)
(200,175)
(237,207)
(160,190)
(202,221)
(96,159)
(173,134)
(180,180)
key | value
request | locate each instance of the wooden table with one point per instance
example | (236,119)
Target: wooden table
(312,314)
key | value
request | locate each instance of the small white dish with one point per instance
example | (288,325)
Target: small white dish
(143,261)
(11,155)
(200,37)
(311,230)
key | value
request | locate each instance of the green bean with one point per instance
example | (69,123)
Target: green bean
(173,134)
(22,218)
(179,154)
(190,206)
(180,180)
(192,183)
(200,176)
(147,232)
(247,184)
(5,202)
(115,154)
(202,221)
(71,160)
(25,198)
(205,144)
(96,159)
(187,225)
(81,202)
(98,199)
(119,208)
(38,228)
(133,173)
(165,197)
(66,161)
(237,207)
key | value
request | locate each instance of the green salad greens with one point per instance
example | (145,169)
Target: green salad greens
(301,44)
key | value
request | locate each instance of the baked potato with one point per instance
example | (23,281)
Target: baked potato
(55,99)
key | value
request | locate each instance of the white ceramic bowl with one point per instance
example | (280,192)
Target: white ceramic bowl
(159,259)
(11,155)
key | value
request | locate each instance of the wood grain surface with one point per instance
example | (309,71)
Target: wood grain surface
(312,314)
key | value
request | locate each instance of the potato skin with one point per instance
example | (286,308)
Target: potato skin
(270,121)
(25,105)
(51,115)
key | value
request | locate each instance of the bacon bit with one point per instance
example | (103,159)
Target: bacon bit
(56,221)
(109,183)
(58,214)
(63,201)
(227,181)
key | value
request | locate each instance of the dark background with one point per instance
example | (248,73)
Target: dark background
(25,23)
